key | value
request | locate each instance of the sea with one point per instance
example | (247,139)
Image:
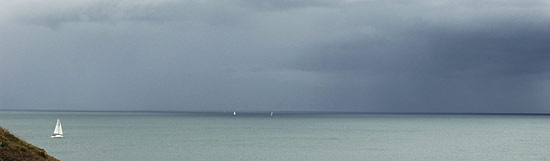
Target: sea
(135,136)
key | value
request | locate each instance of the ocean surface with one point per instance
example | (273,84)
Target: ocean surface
(284,137)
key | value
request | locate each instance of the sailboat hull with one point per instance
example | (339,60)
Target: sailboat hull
(56,136)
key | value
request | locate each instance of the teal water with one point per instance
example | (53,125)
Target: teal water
(215,137)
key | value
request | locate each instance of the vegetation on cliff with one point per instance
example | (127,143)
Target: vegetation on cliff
(13,149)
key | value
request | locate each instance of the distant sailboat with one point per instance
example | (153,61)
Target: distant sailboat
(58,131)
(234,113)
(271,113)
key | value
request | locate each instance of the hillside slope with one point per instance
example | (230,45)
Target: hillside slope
(13,148)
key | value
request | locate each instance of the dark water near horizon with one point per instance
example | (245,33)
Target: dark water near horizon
(285,136)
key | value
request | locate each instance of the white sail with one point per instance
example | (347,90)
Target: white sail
(58,129)
(234,113)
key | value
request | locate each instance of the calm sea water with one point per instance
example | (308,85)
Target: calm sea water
(216,137)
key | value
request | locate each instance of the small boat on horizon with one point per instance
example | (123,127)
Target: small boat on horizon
(234,113)
(271,113)
(58,131)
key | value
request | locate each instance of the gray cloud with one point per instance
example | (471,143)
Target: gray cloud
(385,56)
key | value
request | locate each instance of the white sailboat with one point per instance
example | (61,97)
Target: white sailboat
(271,113)
(58,131)
(234,113)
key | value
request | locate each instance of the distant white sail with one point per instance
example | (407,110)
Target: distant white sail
(58,131)
(271,113)
(234,113)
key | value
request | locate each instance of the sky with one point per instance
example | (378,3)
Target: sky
(276,55)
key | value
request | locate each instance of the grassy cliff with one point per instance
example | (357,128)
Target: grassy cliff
(13,148)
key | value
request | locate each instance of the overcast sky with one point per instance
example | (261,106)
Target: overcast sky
(313,55)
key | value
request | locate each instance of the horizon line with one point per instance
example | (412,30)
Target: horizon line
(281,111)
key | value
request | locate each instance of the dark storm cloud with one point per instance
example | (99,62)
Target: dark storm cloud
(509,48)
(497,66)
(349,55)
(505,47)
